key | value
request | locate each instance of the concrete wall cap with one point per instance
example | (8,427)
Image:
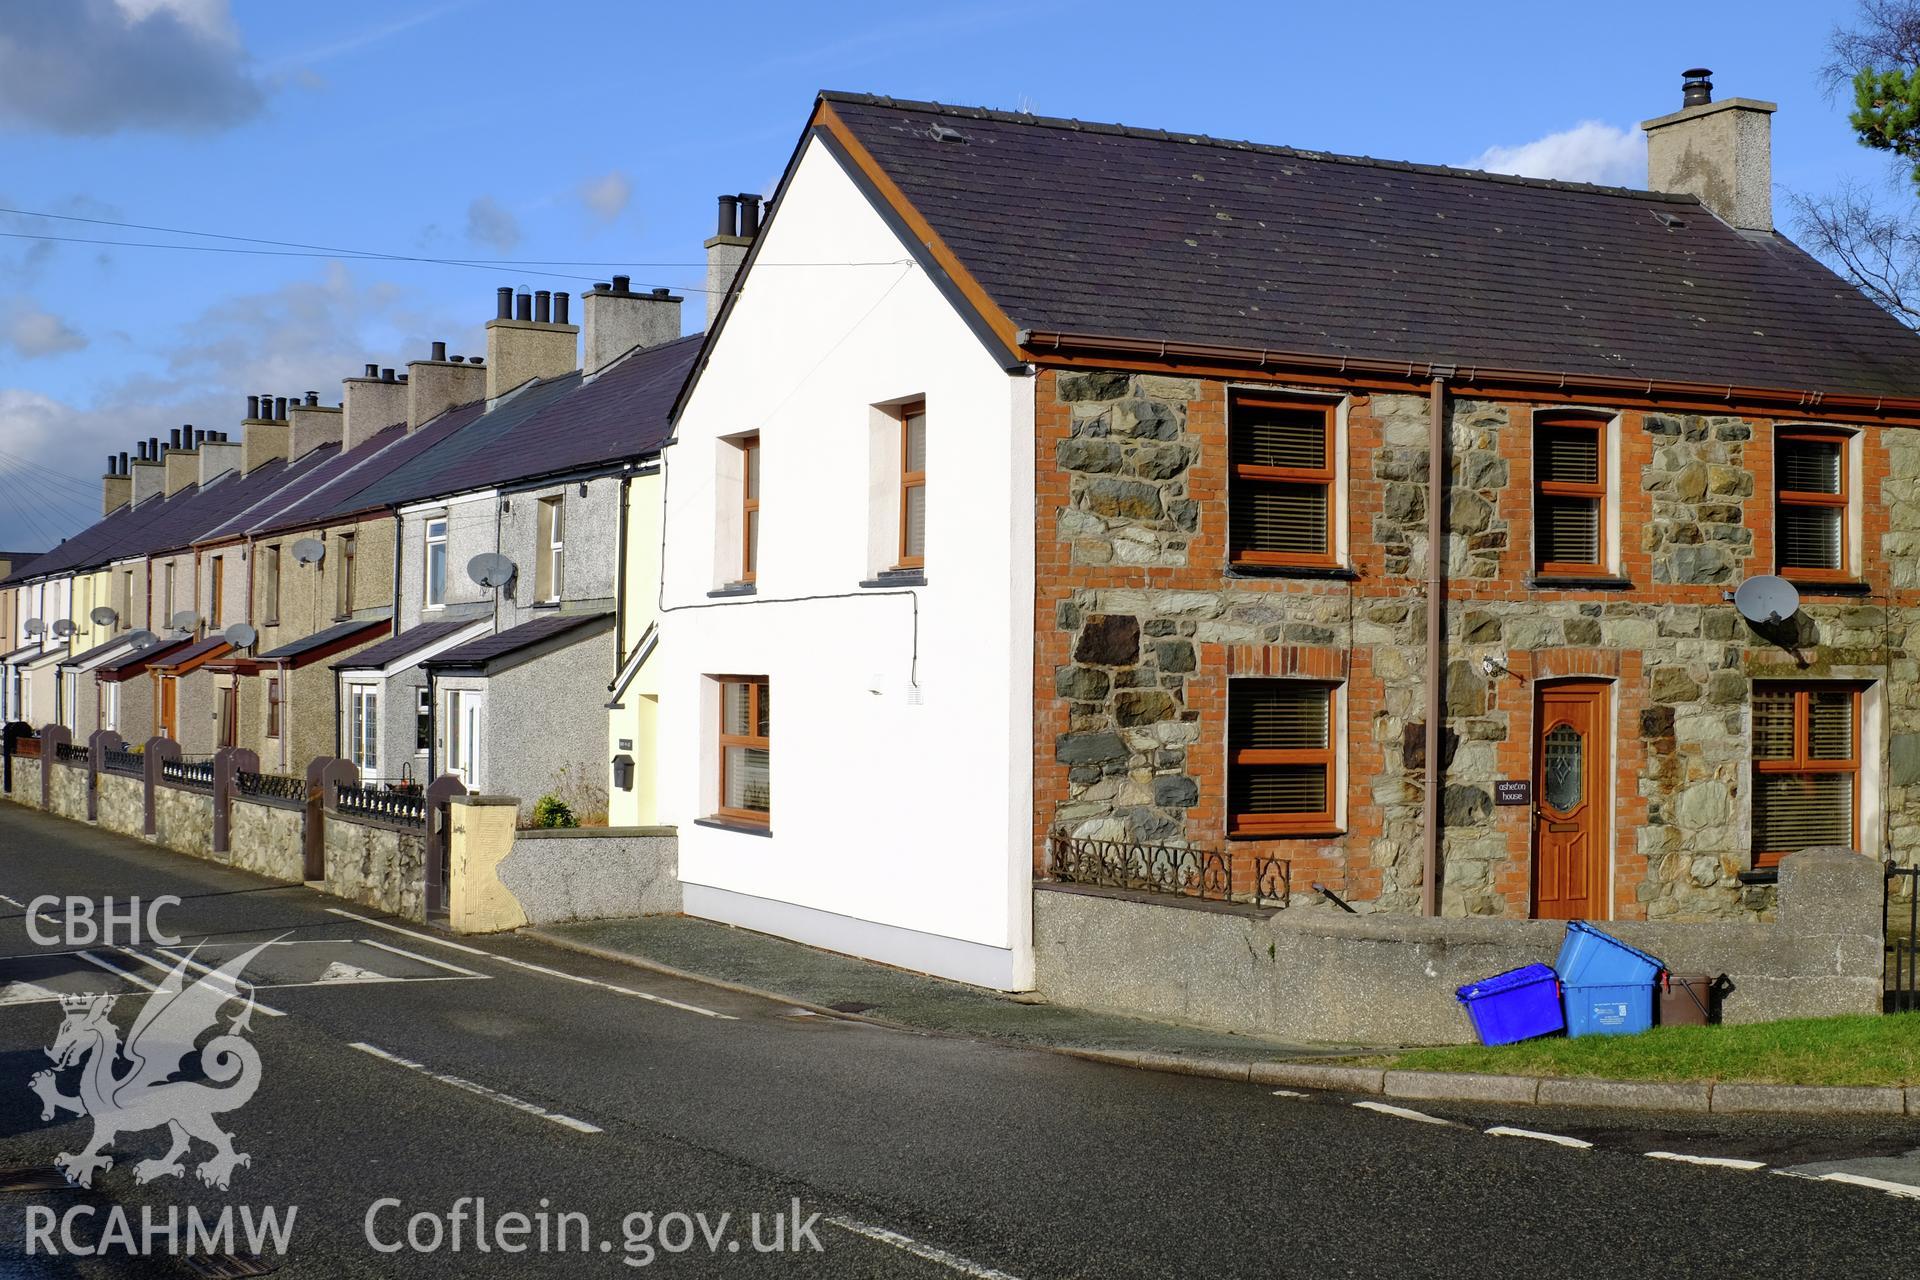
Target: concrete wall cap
(486,801)
(1709,108)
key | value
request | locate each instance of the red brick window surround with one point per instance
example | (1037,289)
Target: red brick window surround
(1280,500)
(1281,774)
(1806,768)
(1811,496)
(1570,496)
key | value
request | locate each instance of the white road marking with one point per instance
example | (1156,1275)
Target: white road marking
(27,993)
(438,964)
(480,1090)
(13,902)
(1717,1162)
(1288,1093)
(422,937)
(115,969)
(1388,1109)
(932,1253)
(609,986)
(148,960)
(1508,1131)
(1904,1189)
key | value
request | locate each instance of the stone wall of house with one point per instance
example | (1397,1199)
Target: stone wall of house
(1140,623)
(377,866)
(183,820)
(267,839)
(122,805)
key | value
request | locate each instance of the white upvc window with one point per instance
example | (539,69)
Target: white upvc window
(363,727)
(552,533)
(110,710)
(436,562)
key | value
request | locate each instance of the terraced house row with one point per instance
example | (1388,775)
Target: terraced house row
(1098,505)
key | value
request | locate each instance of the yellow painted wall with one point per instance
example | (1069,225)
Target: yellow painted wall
(640,704)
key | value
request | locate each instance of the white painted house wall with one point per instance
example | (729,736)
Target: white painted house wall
(900,818)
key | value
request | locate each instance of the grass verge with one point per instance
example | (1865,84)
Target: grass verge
(1854,1050)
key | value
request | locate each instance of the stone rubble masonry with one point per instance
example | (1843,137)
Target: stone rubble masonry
(377,866)
(1139,624)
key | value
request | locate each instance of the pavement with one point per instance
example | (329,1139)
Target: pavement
(405,1074)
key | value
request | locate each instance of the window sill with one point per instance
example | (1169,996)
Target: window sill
(1332,573)
(1577,581)
(1329,833)
(544,604)
(897,578)
(732,589)
(1829,586)
(1759,876)
(725,824)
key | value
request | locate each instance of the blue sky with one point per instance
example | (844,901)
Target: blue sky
(599,133)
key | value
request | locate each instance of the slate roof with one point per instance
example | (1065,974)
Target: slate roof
(1100,229)
(299,477)
(489,649)
(138,659)
(199,648)
(411,641)
(337,497)
(322,638)
(85,656)
(19,655)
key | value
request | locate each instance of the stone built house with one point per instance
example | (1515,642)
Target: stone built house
(1234,363)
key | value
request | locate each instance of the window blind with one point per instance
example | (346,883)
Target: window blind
(1280,734)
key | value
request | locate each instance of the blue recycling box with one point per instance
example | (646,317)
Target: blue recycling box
(1608,985)
(1516,1005)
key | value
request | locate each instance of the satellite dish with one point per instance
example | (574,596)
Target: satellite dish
(240,635)
(1766,600)
(62,628)
(142,640)
(185,620)
(309,551)
(34,626)
(104,616)
(491,570)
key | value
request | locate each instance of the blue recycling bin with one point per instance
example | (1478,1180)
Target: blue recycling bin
(1608,985)
(1516,1005)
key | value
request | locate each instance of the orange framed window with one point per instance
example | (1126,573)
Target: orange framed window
(1570,496)
(1810,504)
(749,508)
(745,793)
(1806,768)
(913,486)
(1280,498)
(216,592)
(1280,765)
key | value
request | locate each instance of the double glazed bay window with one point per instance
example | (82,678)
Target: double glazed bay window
(1810,522)
(1280,503)
(744,790)
(1280,767)
(1570,497)
(1806,768)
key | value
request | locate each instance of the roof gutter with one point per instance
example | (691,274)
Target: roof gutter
(1038,345)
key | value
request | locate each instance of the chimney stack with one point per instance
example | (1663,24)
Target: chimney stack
(727,250)
(1721,152)
(182,461)
(148,474)
(218,457)
(262,439)
(615,320)
(372,403)
(116,488)
(437,384)
(311,425)
(523,348)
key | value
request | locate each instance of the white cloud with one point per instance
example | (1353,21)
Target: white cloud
(1591,151)
(31,332)
(606,198)
(100,66)
(490,224)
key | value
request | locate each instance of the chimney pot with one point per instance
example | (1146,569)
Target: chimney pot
(373,371)
(523,306)
(198,437)
(175,441)
(729,216)
(279,408)
(110,470)
(601,286)
(123,463)
(476,359)
(560,308)
(313,397)
(503,303)
(622,284)
(543,306)
(439,351)
(386,375)
(749,216)
(253,406)
(1696,87)
(153,448)
(457,359)
(662,292)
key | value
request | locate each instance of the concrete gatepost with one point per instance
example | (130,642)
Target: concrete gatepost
(52,738)
(479,838)
(325,775)
(158,750)
(99,743)
(438,793)
(227,762)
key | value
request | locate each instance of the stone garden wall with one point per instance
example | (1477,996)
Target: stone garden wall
(183,820)
(26,782)
(68,793)
(1140,623)
(377,866)
(593,873)
(267,839)
(123,804)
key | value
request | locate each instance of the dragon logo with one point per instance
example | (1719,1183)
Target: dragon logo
(131,1087)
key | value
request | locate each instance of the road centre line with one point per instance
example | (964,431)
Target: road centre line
(421,937)
(609,986)
(1717,1162)
(1388,1109)
(932,1253)
(116,970)
(267,1009)
(479,1090)
(1508,1131)
(410,955)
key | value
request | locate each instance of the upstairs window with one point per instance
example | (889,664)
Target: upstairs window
(1806,768)
(422,720)
(552,541)
(167,594)
(1280,498)
(123,602)
(749,508)
(436,574)
(269,585)
(216,592)
(343,601)
(273,706)
(1810,490)
(745,791)
(1570,497)
(1280,767)
(913,486)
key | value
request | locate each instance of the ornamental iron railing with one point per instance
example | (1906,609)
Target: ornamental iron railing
(382,804)
(1207,874)
(127,760)
(71,752)
(196,772)
(271,786)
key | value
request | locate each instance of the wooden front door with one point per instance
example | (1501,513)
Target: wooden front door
(169,707)
(1570,799)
